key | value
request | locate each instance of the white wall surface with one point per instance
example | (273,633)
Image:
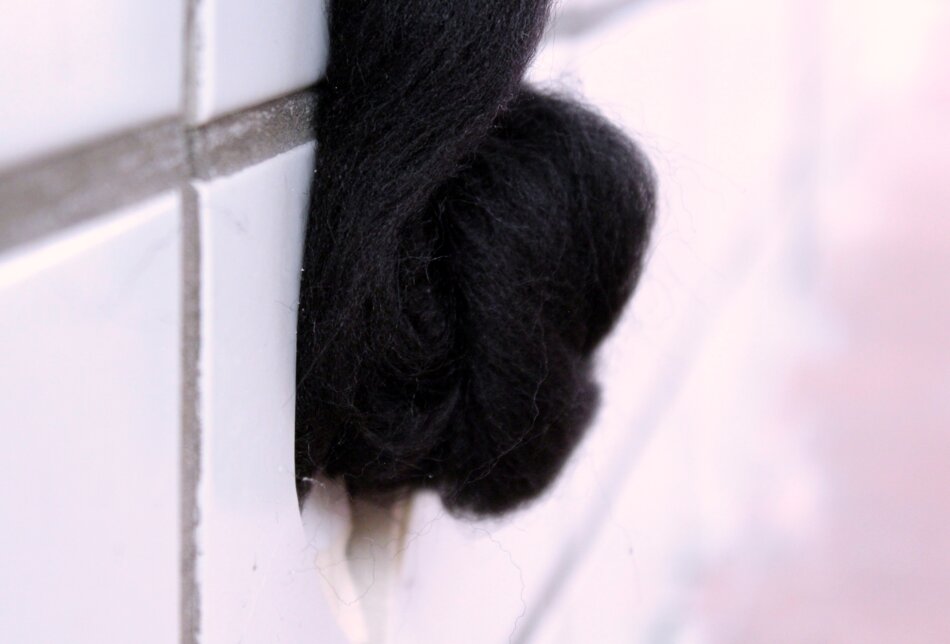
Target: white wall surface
(90,329)
(256,583)
(246,52)
(693,512)
(74,70)
(98,312)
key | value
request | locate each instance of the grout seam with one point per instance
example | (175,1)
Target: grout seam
(193,45)
(43,196)
(190,429)
(579,22)
(39,197)
(236,141)
(190,465)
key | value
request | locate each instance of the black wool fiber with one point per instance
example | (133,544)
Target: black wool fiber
(471,242)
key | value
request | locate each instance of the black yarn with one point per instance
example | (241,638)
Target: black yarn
(471,241)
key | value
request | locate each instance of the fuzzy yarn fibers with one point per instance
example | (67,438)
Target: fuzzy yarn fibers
(471,242)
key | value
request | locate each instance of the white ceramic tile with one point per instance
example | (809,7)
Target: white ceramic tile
(249,52)
(89,492)
(73,70)
(257,581)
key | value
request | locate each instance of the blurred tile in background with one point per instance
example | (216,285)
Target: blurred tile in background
(791,490)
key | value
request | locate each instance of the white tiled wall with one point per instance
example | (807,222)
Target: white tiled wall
(247,52)
(89,488)
(256,582)
(73,70)
(260,576)
(91,328)
(94,373)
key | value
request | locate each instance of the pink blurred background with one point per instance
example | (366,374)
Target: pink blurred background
(783,380)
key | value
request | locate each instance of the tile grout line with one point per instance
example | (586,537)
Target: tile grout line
(190,457)
(577,23)
(40,197)
(190,430)
(235,141)
(44,196)
(192,45)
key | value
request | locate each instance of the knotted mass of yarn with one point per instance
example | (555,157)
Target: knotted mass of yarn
(471,242)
